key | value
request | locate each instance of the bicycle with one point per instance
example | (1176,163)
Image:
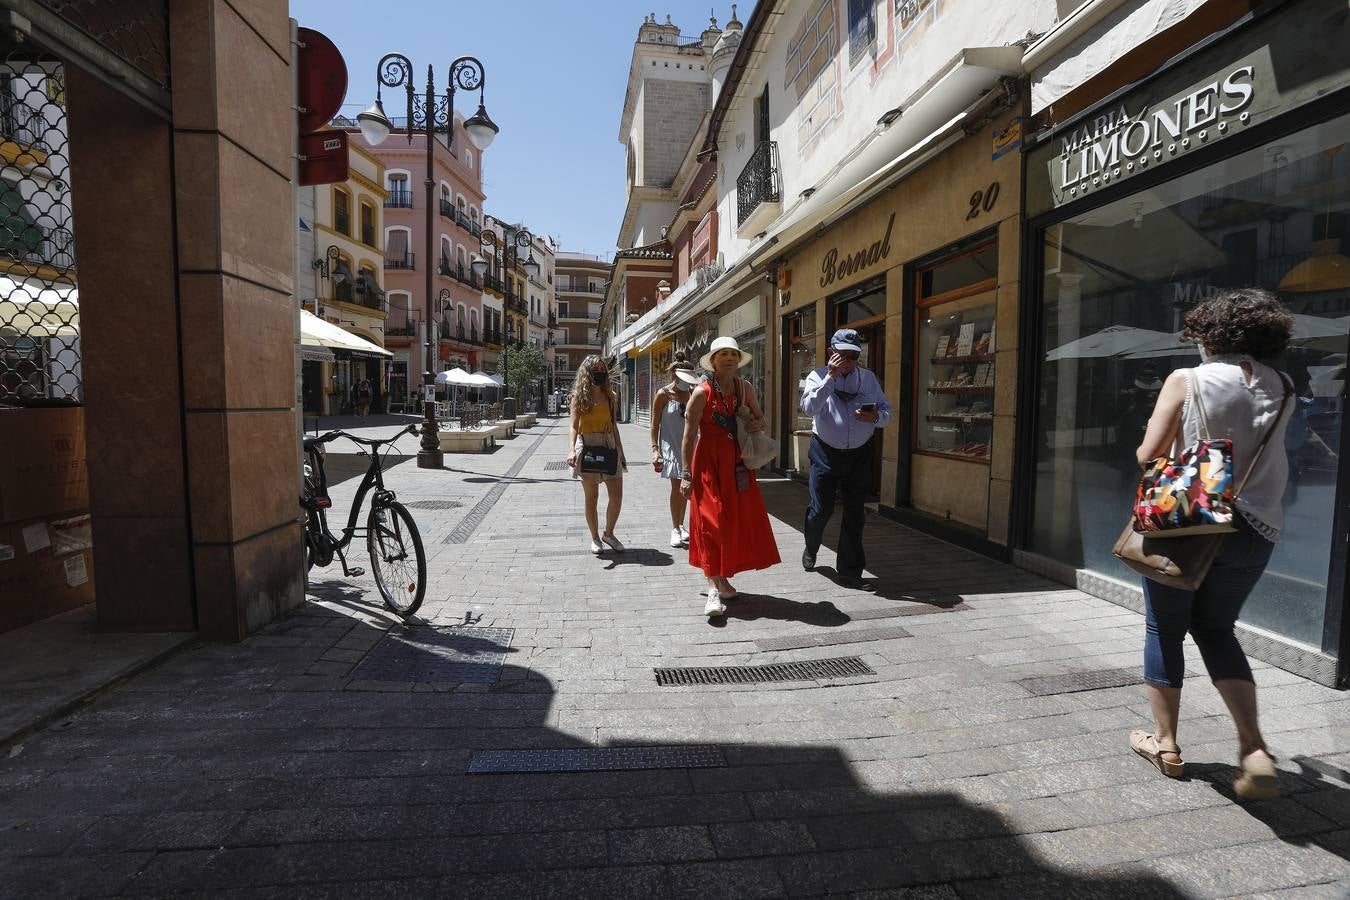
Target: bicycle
(390,530)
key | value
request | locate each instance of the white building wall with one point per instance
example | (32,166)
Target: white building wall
(839,107)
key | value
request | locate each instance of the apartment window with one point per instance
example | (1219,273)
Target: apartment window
(862,29)
(468,158)
(367,224)
(342,211)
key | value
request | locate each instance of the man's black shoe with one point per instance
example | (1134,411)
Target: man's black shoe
(854,582)
(808,561)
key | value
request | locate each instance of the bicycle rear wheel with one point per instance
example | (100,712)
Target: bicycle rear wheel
(397,560)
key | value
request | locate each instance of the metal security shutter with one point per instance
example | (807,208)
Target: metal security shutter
(644,390)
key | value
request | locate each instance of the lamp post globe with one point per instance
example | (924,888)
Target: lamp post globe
(481,129)
(531,266)
(480,265)
(375,125)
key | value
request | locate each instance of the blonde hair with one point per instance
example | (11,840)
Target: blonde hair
(581,386)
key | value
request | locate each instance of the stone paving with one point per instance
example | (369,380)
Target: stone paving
(275,769)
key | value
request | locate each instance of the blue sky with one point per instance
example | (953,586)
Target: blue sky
(556,74)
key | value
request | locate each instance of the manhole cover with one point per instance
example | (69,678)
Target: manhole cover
(433,504)
(797,642)
(1073,682)
(842,667)
(597,759)
(557,465)
(455,654)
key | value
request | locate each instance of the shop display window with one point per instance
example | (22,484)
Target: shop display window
(801,331)
(1117,282)
(954,403)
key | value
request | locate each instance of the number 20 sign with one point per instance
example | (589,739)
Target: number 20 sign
(983,201)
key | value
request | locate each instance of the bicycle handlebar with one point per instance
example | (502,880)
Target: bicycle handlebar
(369,442)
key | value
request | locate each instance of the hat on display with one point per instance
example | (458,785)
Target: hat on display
(724,343)
(846,339)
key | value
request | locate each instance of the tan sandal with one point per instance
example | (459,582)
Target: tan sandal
(1256,778)
(1146,745)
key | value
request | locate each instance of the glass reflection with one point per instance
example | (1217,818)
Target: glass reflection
(1119,279)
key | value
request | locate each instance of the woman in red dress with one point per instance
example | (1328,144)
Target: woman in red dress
(729,528)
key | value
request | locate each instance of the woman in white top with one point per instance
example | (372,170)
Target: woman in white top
(1238,333)
(667,434)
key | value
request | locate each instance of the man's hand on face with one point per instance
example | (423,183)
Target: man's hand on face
(839,364)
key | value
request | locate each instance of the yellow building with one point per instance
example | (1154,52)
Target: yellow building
(350,288)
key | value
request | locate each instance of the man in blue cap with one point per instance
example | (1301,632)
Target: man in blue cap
(847,405)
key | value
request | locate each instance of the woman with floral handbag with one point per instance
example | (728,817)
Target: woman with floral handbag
(1226,412)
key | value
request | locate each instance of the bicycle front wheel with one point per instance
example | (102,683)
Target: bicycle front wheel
(397,560)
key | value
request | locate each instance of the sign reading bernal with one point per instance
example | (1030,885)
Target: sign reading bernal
(1259,72)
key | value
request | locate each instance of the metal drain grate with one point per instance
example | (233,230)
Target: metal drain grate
(842,667)
(433,504)
(558,465)
(1074,682)
(597,759)
(895,612)
(454,654)
(798,642)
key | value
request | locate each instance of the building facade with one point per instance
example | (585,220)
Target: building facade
(460,325)
(1171,159)
(349,262)
(579,282)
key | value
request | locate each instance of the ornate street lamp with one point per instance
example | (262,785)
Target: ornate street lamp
(429,114)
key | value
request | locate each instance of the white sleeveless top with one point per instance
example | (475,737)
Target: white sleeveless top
(1242,412)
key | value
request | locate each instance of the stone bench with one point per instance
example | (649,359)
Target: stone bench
(505,429)
(530,419)
(523,422)
(467,441)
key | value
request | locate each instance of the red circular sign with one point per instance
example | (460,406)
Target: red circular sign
(323,79)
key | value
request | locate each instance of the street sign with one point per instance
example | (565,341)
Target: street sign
(322,77)
(323,157)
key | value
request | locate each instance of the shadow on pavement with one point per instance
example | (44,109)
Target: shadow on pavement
(636,556)
(748,607)
(222,771)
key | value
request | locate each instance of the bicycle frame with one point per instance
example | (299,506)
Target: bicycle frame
(374,478)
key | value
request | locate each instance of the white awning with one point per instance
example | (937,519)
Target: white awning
(315,332)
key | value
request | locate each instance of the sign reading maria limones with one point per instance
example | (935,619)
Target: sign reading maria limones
(1118,143)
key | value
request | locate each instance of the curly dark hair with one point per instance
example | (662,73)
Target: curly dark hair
(1241,320)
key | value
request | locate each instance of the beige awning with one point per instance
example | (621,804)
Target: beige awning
(315,332)
(30,308)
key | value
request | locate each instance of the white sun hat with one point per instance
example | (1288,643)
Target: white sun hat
(724,343)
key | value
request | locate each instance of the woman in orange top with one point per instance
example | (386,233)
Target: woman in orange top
(594,423)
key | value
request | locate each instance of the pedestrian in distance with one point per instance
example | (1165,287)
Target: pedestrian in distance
(668,408)
(847,407)
(594,424)
(1239,333)
(729,529)
(364,395)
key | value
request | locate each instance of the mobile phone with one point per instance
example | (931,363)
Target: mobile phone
(868,407)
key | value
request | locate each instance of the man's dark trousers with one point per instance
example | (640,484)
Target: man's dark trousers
(850,472)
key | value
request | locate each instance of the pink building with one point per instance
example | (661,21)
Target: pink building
(466,330)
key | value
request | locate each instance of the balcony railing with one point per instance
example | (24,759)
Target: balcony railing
(447,209)
(22,124)
(580,288)
(400,262)
(399,200)
(758,182)
(493,283)
(463,220)
(402,329)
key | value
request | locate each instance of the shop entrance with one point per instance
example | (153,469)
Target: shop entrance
(863,308)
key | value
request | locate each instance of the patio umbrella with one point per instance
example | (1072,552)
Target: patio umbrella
(1114,340)
(457,377)
(1310,333)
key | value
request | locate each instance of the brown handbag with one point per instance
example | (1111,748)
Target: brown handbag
(1183,562)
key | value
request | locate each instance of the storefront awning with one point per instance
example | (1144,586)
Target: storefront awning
(315,332)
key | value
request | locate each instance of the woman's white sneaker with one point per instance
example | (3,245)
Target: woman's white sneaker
(676,538)
(684,533)
(596,547)
(714,606)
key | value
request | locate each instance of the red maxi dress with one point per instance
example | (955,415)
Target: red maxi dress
(729,529)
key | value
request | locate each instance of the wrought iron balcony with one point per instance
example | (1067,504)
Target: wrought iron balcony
(447,209)
(581,288)
(759,184)
(401,329)
(468,224)
(399,200)
(400,262)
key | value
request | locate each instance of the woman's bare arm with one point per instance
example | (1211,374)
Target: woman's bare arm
(1166,419)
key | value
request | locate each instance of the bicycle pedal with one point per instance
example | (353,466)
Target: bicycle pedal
(356,571)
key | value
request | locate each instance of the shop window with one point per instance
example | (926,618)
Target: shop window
(954,406)
(1116,282)
(801,334)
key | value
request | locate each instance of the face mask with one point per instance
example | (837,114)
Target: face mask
(600,377)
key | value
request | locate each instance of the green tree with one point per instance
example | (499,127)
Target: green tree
(521,364)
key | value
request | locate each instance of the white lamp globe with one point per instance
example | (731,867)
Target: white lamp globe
(375,125)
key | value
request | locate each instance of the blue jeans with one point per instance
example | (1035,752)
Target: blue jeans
(1208,613)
